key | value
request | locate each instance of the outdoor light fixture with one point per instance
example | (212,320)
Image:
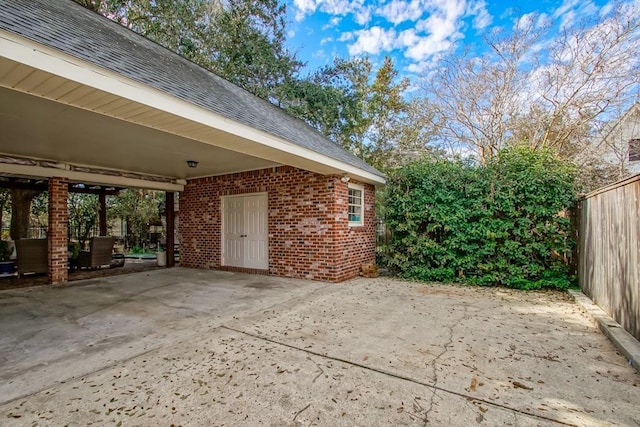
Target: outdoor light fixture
(192,163)
(345,178)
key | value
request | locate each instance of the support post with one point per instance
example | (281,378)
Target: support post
(170,227)
(102,213)
(58,228)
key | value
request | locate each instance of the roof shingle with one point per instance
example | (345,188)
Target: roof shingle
(70,28)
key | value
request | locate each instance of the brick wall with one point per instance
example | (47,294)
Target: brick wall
(357,245)
(309,235)
(58,223)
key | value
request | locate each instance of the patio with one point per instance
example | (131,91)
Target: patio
(194,347)
(131,266)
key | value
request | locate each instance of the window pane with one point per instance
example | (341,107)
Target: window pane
(355,205)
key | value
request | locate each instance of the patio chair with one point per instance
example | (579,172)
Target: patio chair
(99,253)
(32,256)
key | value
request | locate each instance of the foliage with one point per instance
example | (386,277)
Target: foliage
(249,48)
(21,212)
(74,248)
(5,208)
(83,216)
(40,213)
(138,208)
(363,110)
(5,252)
(501,223)
(244,41)
(513,93)
(240,40)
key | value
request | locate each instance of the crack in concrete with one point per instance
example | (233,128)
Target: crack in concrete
(401,377)
(433,366)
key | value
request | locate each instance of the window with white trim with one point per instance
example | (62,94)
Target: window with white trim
(356,205)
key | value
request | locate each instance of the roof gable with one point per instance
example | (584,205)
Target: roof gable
(70,28)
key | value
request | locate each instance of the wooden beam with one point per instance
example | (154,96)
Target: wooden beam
(24,183)
(39,184)
(109,191)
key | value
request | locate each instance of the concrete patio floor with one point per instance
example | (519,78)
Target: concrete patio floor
(193,347)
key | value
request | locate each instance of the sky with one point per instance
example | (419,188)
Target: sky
(415,33)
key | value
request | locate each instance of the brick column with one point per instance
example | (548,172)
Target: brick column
(58,225)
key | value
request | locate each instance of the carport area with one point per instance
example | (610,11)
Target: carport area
(193,347)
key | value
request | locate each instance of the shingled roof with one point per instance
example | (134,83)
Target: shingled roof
(70,28)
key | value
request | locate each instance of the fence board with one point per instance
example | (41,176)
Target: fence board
(609,251)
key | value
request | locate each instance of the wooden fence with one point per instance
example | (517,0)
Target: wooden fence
(609,250)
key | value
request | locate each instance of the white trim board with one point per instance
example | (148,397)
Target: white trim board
(273,148)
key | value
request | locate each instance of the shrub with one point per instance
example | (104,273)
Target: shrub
(502,223)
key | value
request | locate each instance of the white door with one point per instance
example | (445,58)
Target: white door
(245,231)
(232,233)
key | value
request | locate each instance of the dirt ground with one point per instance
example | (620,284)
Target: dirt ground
(186,347)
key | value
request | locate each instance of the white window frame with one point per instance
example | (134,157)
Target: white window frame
(360,222)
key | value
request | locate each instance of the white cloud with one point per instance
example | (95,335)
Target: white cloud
(544,20)
(320,53)
(482,19)
(427,67)
(438,24)
(408,37)
(340,7)
(345,37)
(419,67)
(305,7)
(326,40)
(373,40)
(525,21)
(361,12)
(570,12)
(426,47)
(363,15)
(398,11)
(333,22)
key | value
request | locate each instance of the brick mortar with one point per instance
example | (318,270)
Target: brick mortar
(309,234)
(57,235)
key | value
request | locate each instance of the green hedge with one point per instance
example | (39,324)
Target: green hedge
(493,224)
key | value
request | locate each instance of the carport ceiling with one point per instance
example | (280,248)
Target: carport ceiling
(33,126)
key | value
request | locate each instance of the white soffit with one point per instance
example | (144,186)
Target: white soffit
(138,103)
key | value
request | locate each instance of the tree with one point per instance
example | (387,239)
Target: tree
(332,100)
(489,224)
(249,48)
(138,208)
(510,95)
(240,40)
(368,116)
(83,216)
(477,98)
(40,212)
(21,212)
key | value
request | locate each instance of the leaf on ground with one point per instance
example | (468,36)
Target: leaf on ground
(517,384)
(474,384)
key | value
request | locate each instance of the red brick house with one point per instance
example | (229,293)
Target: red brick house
(83,99)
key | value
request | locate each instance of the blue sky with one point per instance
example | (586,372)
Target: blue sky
(416,33)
